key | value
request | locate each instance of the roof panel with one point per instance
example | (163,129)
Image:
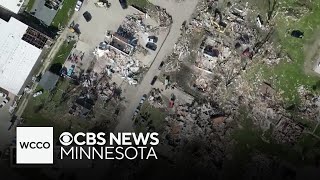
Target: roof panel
(17,57)
(12,5)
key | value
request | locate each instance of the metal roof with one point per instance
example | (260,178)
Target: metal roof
(17,57)
(49,81)
(12,5)
(42,12)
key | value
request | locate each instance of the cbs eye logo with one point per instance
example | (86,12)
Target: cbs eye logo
(66,138)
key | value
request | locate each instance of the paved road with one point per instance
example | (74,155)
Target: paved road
(179,12)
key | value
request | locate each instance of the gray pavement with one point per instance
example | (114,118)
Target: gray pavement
(93,32)
(179,12)
(5,117)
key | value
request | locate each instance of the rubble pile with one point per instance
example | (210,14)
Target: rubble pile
(89,79)
(135,24)
(229,42)
(295,13)
(120,50)
(211,53)
(181,48)
(202,84)
(287,131)
(200,123)
(93,88)
(155,98)
(233,37)
(107,90)
(309,104)
(171,64)
(83,104)
(160,15)
(194,120)
(271,56)
(115,62)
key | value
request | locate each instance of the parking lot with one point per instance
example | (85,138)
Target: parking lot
(102,20)
(110,19)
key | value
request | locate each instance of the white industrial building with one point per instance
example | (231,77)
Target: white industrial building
(12,5)
(17,56)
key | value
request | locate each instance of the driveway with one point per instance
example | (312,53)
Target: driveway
(180,12)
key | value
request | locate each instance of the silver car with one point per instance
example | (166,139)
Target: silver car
(4,102)
(78,6)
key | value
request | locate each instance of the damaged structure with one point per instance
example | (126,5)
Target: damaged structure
(115,55)
(21,47)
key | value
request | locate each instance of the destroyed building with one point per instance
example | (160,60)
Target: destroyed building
(115,54)
(161,15)
(82,107)
(211,52)
(107,90)
(111,61)
(122,44)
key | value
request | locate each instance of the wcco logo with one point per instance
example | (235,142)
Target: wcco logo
(34,145)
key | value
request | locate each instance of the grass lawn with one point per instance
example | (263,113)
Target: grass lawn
(47,109)
(156,116)
(63,53)
(29,5)
(139,3)
(64,14)
(290,75)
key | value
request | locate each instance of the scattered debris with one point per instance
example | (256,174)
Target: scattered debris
(287,131)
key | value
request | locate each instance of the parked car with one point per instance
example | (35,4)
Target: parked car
(4,102)
(4,95)
(161,65)
(297,34)
(151,46)
(123,4)
(136,112)
(154,80)
(78,5)
(153,39)
(87,16)
(144,97)
(37,93)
